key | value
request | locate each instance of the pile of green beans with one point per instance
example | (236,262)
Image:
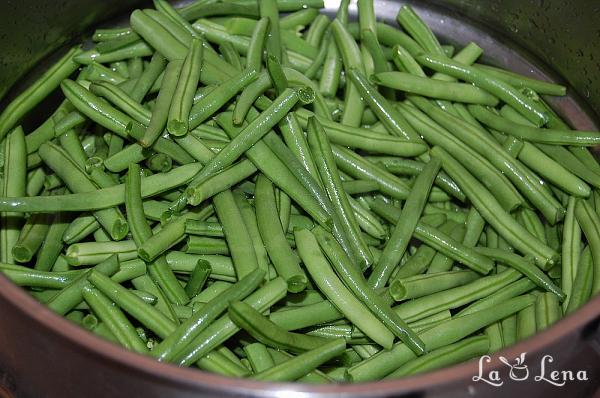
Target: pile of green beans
(253,189)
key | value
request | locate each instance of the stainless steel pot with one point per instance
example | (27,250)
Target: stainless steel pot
(43,355)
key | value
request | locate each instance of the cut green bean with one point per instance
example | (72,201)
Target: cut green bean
(400,236)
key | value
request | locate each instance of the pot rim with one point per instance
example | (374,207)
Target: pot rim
(198,379)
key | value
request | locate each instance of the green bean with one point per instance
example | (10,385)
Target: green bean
(101,35)
(301,365)
(525,106)
(257,43)
(70,143)
(336,292)
(35,181)
(293,318)
(582,283)
(72,294)
(284,208)
(457,215)
(121,100)
(529,219)
(415,26)
(400,236)
(13,184)
(368,140)
(252,92)
(583,154)
(276,74)
(400,166)
(221,266)
(116,321)
(394,121)
(218,34)
(570,162)
(89,253)
(368,35)
(495,337)
(179,110)
(477,164)
(79,228)
(78,181)
(284,260)
(353,105)
(446,333)
(525,267)
(526,325)
(427,87)
(31,237)
(491,211)
(509,330)
(136,49)
(534,134)
(39,90)
(461,351)
(547,310)
(266,161)
(198,278)
(103,198)
(513,289)
(52,245)
(130,154)
(96,109)
(488,148)
(96,72)
(24,276)
(148,78)
(268,9)
(422,285)
(136,67)
(201,319)
(316,31)
(214,100)
(251,224)
(236,234)
(438,240)
(259,357)
(544,165)
(405,62)
(156,35)
(353,187)
(204,228)
(223,328)
(121,68)
(269,333)
(302,17)
(328,172)
(129,270)
(519,81)
(452,298)
(332,68)
(253,132)
(590,225)
(132,304)
(355,280)
(159,162)
(356,166)
(571,249)
(141,232)
(418,262)
(368,222)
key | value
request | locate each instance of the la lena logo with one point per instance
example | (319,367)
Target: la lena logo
(518,371)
